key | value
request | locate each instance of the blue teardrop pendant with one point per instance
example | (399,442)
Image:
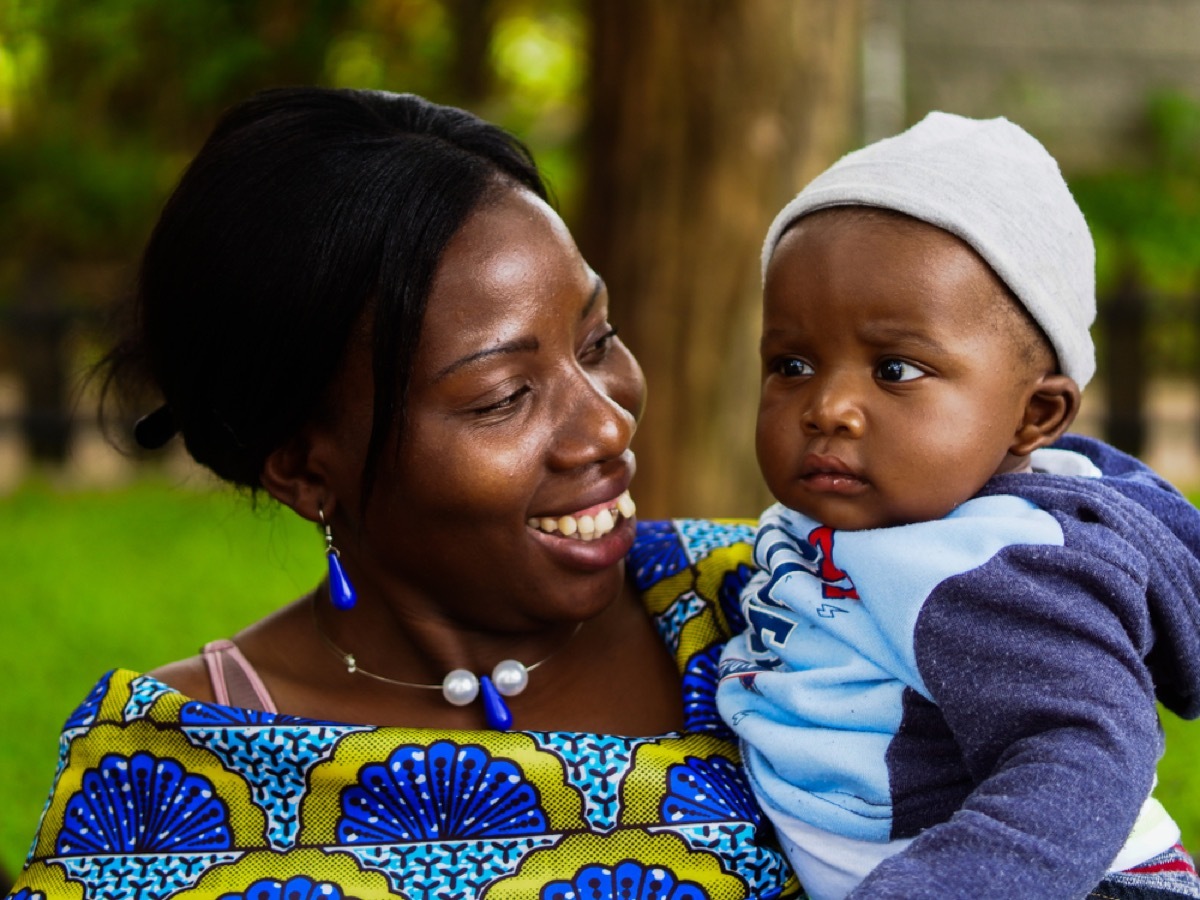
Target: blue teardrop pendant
(341,591)
(495,710)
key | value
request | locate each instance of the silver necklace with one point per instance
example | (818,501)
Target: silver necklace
(461,686)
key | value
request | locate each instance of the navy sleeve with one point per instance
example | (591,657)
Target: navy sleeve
(1036,662)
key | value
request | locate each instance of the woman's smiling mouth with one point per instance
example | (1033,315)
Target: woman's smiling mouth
(588,524)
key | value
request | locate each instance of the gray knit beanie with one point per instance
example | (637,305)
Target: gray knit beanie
(992,184)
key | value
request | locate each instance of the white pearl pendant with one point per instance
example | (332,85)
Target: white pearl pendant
(460,687)
(510,677)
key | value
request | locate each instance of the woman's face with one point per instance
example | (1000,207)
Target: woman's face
(521,409)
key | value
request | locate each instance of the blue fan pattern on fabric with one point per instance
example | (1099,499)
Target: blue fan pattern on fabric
(197,713)
(657,553)
(143,804)
(301,887)
(740,847)
(628,880)
(669,623)
(440,821)
(27,894)
(442,792)
(729,595)
(708,790)
(85,713)
(699,694)
(596,766)
(275,760)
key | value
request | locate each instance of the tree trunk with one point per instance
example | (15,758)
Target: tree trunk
(39,325)
(471,66)
(705,117)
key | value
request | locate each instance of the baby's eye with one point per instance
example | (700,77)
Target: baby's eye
(791,367)
(897,370)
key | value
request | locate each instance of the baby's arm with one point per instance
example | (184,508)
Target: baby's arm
(1036,662)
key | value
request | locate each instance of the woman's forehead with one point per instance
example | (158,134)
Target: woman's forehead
(512,259)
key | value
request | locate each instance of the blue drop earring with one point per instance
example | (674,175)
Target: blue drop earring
(341,591)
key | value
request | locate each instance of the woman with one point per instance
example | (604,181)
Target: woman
(361,304)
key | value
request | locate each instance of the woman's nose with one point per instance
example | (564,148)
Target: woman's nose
(835,408)
(595,426)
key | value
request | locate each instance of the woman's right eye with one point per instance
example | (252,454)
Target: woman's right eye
(504,403)
(792,367)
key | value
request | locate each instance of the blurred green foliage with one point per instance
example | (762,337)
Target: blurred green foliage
(1149,218)
(106,98)
(1146,224)
(102,102)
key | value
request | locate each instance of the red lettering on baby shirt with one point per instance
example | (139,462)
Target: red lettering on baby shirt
(835,584)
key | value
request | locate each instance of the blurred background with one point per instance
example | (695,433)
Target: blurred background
(671,132)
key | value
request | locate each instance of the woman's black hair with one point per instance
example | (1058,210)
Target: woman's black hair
(306,211)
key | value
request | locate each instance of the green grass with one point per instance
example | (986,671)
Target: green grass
(129,578)
(1179,777)
(142,575)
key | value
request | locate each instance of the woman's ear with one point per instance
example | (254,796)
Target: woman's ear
(294,476)
(1050,410)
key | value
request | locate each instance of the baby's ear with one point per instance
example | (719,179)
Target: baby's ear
(1050,410)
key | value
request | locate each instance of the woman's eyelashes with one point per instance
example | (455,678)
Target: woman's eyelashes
(505,403)
(599,347)
(594,350)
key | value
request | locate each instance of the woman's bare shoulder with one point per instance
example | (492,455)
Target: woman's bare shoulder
(188,676)
(191,676)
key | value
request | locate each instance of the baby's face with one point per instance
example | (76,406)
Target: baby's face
(891,388)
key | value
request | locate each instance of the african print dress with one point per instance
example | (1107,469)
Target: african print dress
(158,795)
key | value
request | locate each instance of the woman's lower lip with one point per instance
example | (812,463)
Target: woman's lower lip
(589,556)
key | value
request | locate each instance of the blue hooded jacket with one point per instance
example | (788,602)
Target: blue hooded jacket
(993,673)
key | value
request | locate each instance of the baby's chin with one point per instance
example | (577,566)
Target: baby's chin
(844,517)
(855,502)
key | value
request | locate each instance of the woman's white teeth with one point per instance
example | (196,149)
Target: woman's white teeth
(588,527)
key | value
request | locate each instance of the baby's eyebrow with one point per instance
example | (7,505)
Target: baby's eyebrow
(885,333)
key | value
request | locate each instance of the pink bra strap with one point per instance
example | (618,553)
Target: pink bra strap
(234,681)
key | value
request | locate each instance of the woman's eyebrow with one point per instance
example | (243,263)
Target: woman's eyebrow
(597,288)
(520,345)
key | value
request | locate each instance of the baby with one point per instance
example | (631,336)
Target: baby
(958,632)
